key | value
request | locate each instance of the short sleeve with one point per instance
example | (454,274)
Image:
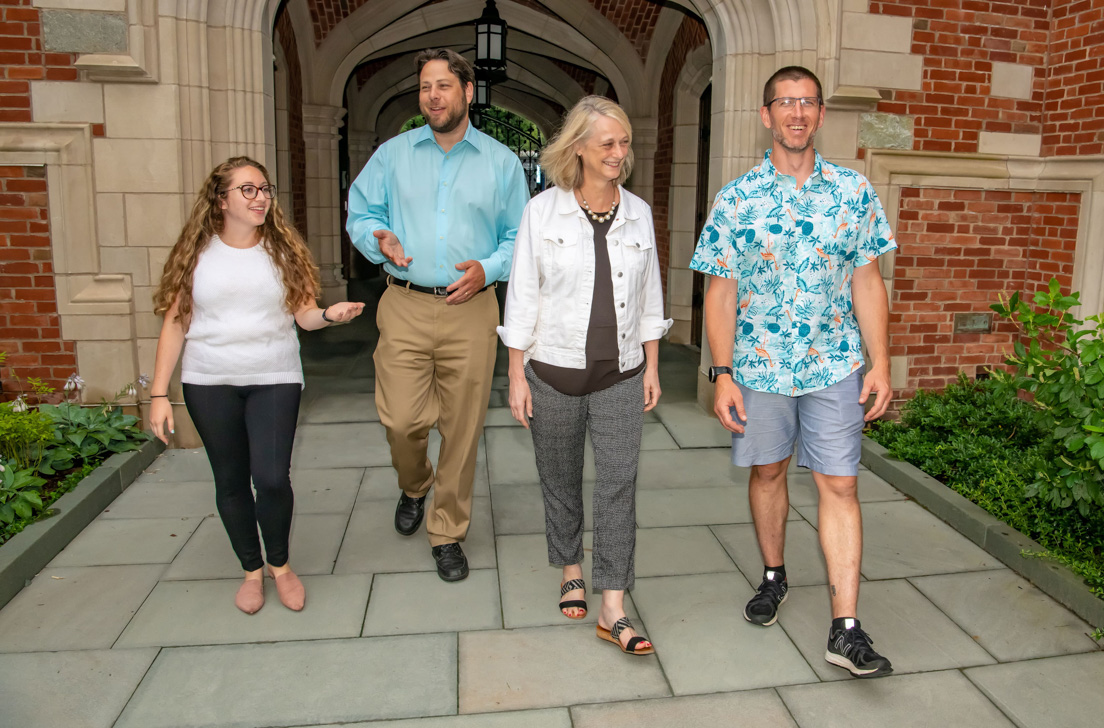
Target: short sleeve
(877,238)
(715,254)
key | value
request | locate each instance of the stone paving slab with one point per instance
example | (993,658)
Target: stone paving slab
(703,642)
(654,437)
(804,559)
(694,507)
(548,718)
(203,613)
(724,710)
(75,608)
(289,683)
(520,509)
(79,689)
(315,539)
(1006,615)
(357,444)
(326,491)
(905,627)
(1056,691)
(511,461)
(179,466)
(531,587)
(679,550)
(149,499)
(117,541)
(373,546)
(930,699)
(423,603)
(691,426)
(689,469)
(514,669)
(342,407)
(901,539)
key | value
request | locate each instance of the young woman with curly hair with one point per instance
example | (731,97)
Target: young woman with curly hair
(236,282)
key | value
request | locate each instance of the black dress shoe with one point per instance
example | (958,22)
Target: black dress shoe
(409,513)
(452,565)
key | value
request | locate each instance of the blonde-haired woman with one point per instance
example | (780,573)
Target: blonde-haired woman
(584,314)
(233,287)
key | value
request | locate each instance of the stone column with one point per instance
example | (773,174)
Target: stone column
(320,132)
(362,143)
(645,138)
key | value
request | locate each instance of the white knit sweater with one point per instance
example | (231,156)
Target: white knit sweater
(241,333)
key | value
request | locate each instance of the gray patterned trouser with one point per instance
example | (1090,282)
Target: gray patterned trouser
(616,419)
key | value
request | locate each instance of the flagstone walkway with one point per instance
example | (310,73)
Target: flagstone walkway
(134,625)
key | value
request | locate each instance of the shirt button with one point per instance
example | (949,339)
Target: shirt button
(622,305)
(620,274)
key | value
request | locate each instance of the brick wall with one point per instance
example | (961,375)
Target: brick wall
(690,35)
(960,40)
(297,148)
(957,250)
(22,60)
(1074,101)
(30,331)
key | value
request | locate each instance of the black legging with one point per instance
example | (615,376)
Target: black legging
(248,432)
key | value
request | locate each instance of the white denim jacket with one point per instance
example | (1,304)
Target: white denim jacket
(552,281)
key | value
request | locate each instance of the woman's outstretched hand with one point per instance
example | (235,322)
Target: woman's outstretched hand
(651,388)
(344,312)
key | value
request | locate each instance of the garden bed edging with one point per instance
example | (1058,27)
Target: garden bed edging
(987,531)
(26,553)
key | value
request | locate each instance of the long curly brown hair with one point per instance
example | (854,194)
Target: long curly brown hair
(280,239)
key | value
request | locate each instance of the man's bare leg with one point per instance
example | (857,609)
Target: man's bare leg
(770,503)
(840,526)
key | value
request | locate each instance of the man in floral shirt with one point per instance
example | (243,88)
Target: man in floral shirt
(788,248)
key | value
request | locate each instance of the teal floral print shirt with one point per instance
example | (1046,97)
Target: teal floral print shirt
(793,252)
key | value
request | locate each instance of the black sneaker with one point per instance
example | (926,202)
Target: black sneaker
(762,609)
(851,648)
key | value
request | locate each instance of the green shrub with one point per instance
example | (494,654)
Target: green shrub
(23,433)
(1062,365)
(986,444)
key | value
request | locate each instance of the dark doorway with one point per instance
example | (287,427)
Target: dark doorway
(705,107)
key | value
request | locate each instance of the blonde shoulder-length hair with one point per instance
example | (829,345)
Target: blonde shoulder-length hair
(560,163)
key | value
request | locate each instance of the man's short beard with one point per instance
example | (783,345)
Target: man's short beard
(450,123)
(780,140)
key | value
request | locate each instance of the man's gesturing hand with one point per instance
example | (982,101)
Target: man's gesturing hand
(472,282)
(726,396)
(392,249)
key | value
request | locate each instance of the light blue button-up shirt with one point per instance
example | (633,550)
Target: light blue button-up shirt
(445,207)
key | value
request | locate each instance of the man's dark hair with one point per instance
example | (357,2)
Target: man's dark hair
(790,73)
(457,64)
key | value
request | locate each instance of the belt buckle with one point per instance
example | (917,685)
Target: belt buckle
(440,291)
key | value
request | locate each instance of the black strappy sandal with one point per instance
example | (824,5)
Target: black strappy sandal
(573,603)
(611,635)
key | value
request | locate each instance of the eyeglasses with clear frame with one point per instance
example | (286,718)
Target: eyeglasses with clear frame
(249,191)
(808,103)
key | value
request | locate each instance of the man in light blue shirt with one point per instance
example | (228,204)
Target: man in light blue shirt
(439,206)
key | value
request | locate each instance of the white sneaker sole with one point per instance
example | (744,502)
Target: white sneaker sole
(767,624)
(841,661)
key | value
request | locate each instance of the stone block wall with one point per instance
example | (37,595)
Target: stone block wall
(24,59)
(297,153)
(958,249)
(30,329)
(983,74)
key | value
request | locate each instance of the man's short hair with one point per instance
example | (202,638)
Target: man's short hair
(457,64)
(790,73)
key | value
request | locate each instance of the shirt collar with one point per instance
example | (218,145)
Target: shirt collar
(772,172)
(472,136)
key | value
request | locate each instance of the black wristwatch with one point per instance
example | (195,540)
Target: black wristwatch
(715,372)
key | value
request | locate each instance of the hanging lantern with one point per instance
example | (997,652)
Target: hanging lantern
(482,98)
(490,42)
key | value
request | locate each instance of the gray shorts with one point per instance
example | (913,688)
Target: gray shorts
(826,425)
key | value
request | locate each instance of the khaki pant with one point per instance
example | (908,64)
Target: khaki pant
(434,364)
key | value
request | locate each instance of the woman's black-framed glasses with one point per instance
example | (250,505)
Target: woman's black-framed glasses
(249,192)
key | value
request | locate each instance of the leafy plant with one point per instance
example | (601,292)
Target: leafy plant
(18,492)
(88,433)
(1062,365)
(23,433)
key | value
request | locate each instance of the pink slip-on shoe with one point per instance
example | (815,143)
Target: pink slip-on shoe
(250,597)
(291,591)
